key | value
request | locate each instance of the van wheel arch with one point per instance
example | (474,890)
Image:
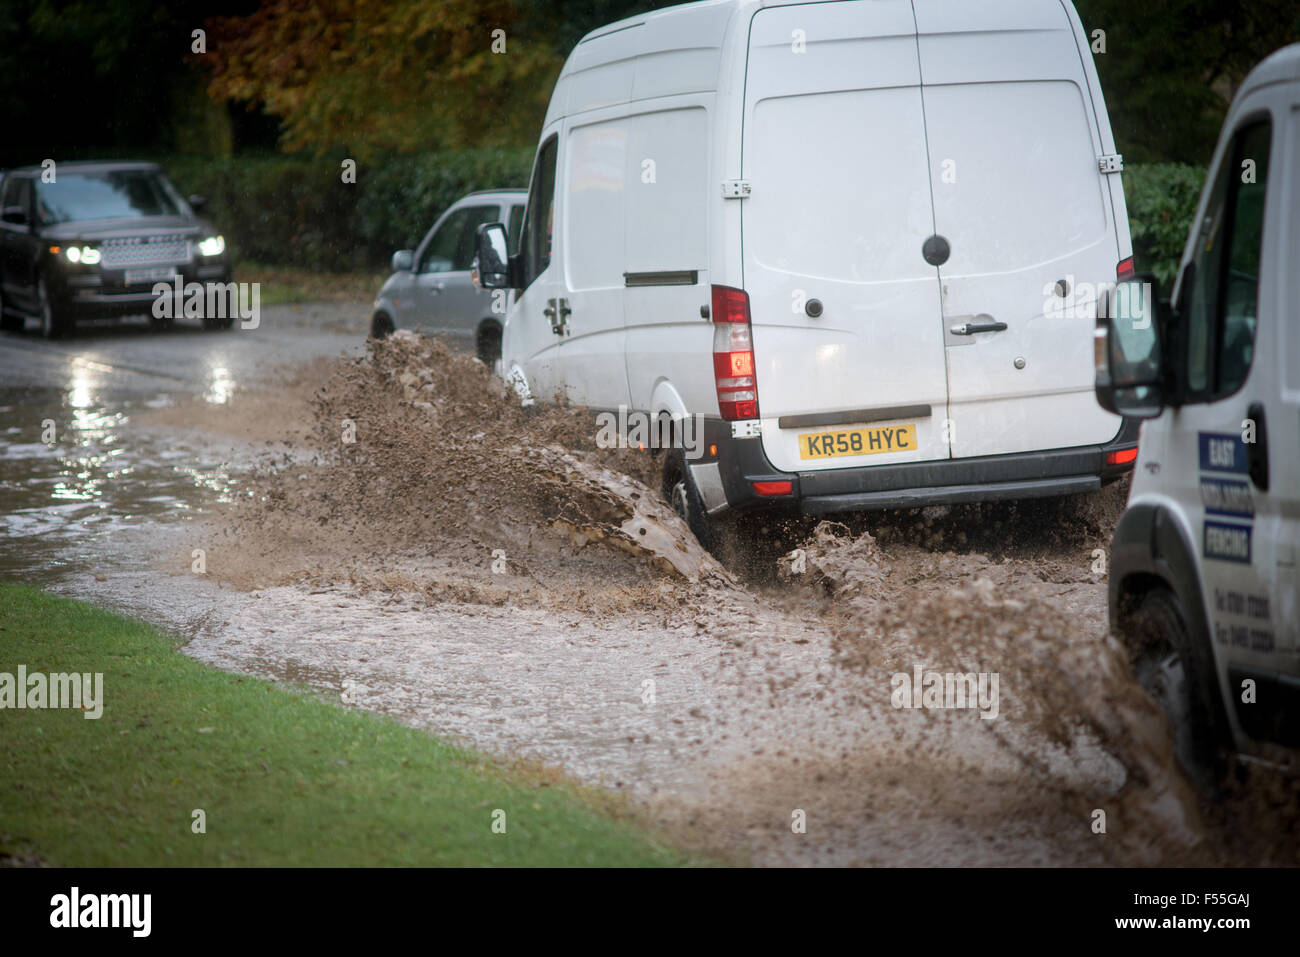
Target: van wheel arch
(1157,609)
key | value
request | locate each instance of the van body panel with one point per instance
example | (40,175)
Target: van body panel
(591,193)
(814,152)
(665,251)
(1019,198)
(1014,144)
(1195,459)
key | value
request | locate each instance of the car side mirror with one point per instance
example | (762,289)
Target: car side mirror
(198,203)
(1127,348)
(403,260)
(15,216)
(492,261)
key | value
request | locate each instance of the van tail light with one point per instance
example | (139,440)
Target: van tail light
(733,354)
(1125,269)
(1122,456)
(773,488)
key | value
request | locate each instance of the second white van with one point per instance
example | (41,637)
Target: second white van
(859,241)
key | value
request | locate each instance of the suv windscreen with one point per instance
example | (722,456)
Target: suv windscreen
(451,248)
(108,194)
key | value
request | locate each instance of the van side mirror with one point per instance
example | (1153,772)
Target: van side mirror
(1127,348)
(403,260)
(492,263)
(14,215)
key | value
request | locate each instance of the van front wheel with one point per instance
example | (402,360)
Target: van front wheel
(1183,683)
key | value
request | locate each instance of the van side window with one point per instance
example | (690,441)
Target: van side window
(1221,311)
(513,225)
(539,220)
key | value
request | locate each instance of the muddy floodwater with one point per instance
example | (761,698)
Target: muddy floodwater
(391,528)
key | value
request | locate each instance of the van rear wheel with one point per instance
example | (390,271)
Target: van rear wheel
(682,494)
(723,536)
(1182,680)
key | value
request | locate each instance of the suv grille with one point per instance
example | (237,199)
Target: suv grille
(144,251)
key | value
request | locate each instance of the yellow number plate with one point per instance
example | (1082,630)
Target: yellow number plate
(877,439)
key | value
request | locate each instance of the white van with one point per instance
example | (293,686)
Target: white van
(860,238)
(1203,576)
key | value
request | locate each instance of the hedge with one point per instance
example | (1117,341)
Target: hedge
(1161,200)
(297,211)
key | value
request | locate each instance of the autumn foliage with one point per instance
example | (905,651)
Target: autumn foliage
(370,78)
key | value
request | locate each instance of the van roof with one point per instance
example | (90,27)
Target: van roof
(692,34)
(1282,66)
(684,45)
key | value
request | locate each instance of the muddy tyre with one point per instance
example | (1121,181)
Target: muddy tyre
(381,326)
(723,536)
(9,323)
(488,346)
(1180,676)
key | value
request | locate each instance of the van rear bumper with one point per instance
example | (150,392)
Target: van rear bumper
(741,463)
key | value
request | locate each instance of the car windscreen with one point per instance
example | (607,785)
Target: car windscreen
(80,196)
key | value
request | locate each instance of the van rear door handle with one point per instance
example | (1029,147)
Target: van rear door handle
(970,328)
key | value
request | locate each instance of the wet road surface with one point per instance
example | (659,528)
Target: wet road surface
(726,708)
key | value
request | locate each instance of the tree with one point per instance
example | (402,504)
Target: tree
(368,78)
(1171,67)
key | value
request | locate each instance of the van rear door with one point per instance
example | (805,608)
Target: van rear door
(834,150)
(1014,146)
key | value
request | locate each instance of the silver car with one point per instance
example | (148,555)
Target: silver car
(431,291)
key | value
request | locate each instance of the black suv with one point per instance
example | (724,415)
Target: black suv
(90,241)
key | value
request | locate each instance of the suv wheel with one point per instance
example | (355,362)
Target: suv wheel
(9,323)
(1182,680)
(53,323)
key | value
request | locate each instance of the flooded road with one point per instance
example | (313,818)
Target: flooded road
(397,533)
(86,448)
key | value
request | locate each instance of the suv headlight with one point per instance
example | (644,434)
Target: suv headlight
(88,255)
(212,246)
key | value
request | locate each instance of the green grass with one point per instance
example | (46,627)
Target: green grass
(284,777)
(289,285)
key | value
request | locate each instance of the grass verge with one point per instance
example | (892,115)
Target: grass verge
(283,777)
(288,285)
